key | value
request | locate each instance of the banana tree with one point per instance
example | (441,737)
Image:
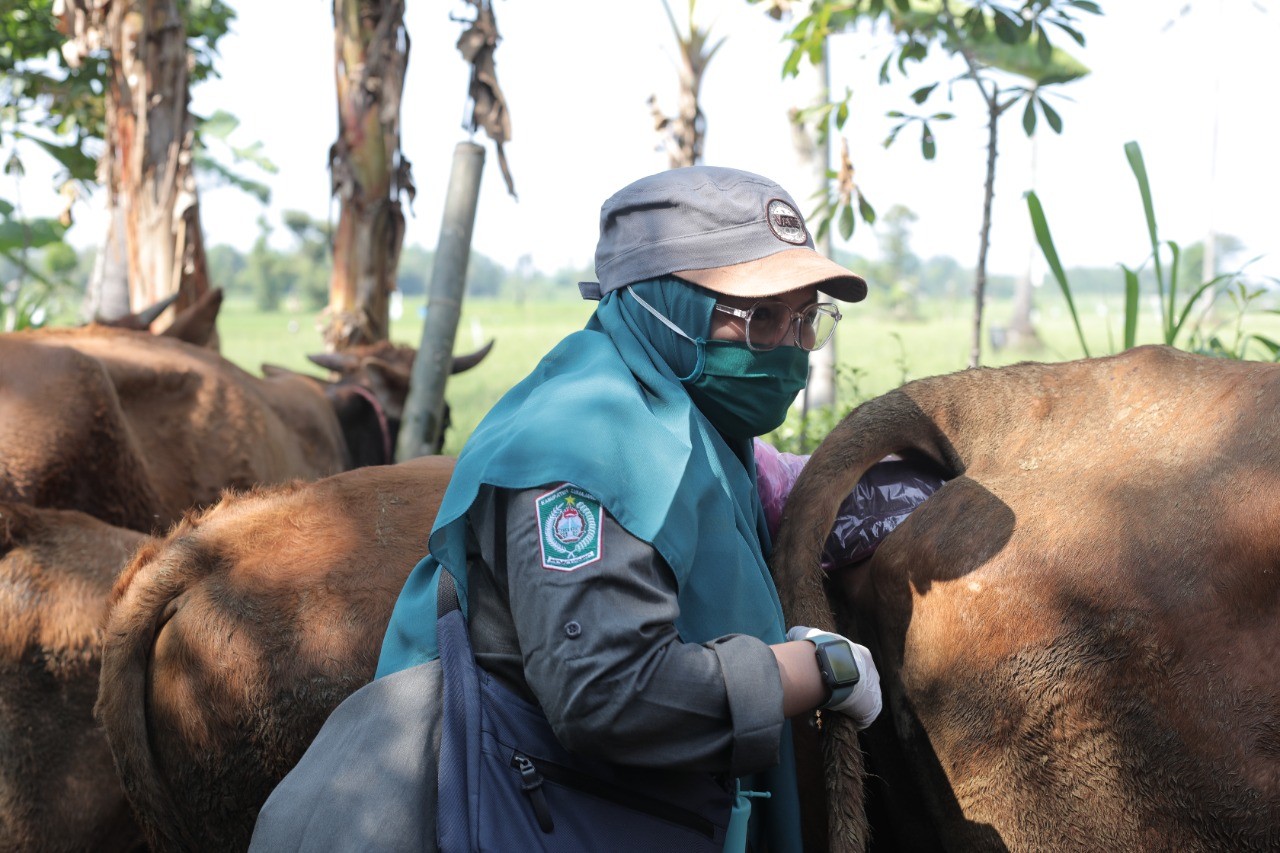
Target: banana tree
(368,172)
(682,134)
(147,164)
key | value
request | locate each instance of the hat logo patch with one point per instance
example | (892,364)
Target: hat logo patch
(785,223)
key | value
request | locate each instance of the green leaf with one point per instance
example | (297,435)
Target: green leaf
(1130,307)
(6,209)
(846,221)
(257,189)
(1029,116)
(1043,48)
(1024,60)
(253,154)
(922,94)
(1173,288)
(219,125)
(1075,34)
(1186,309)
(842,114)
(1051,116)
(1134,154)
(1008,29)
(865,209)
(79,166)
(17,234)
(1269,344)
(1040,225)
(791,67)
(1087,6)
(928,147)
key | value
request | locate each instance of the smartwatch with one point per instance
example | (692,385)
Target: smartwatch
(838,666)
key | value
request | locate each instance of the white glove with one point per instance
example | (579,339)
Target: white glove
(864,702)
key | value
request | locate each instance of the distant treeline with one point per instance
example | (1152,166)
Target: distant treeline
(297,275)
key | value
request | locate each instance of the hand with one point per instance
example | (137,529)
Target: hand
(864,702)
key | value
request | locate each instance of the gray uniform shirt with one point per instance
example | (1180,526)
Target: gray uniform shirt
(597,649)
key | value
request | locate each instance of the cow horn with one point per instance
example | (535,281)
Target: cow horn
(339,362)
(148,316)
(466,362)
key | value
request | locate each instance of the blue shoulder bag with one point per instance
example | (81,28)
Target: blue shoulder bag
(506,783)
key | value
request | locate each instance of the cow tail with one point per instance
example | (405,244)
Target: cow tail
(139,611)
(893,423)
(944,421)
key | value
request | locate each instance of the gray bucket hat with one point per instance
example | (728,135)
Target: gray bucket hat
(729,231)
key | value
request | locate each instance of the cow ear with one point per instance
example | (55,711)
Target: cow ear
(388,382)
(197,323)
(338,362)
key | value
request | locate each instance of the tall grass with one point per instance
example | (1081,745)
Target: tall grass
(1176,324)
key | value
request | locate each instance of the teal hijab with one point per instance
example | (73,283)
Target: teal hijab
(606,411)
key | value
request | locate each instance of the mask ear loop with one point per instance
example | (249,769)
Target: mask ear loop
(700,343)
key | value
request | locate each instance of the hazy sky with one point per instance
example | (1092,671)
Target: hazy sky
(577,74)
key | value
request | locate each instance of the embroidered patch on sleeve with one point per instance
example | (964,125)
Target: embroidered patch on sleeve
(568,528)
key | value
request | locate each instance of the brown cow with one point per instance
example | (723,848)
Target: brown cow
(58,788)
(136,428)
(1077,634)
(233,638)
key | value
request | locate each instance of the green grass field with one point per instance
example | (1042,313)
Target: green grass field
(876,353)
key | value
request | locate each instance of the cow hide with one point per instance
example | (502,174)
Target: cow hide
(134,428)
(1077,633)
(58,788)
(231,640)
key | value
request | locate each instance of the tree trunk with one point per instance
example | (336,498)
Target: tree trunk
(689,129)
(367,169)
(816,155)
(1022,332)
(149,167)
(146,165)
(984,239)
(107,296)
(683,134)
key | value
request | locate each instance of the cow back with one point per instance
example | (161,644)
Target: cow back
(135,429)
(231,640)
(1075,632)
(58,788)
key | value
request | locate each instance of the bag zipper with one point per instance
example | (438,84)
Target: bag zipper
(533,774)
(531,784)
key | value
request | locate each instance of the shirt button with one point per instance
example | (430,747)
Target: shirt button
(572,630)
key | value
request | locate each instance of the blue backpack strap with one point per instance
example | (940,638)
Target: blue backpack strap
(459,769)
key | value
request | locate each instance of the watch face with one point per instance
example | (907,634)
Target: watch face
(844,669)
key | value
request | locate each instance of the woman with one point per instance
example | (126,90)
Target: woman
(602,526)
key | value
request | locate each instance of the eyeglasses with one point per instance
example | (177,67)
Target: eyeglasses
(768,322)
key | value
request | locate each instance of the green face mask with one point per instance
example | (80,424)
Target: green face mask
(745,393)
